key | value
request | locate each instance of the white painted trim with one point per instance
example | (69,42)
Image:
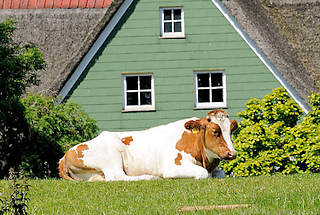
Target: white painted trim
(93,50)
(171,35)
(135,108)
(262,57)
(209,105)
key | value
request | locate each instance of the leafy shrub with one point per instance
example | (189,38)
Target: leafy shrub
(269,140)
(303,141)
(19,65)
(53,130)
(18,198)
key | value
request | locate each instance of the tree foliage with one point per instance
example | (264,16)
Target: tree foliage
(270,139)
(53,130)
(18,70)
(34,131)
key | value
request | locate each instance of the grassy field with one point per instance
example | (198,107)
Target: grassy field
(294,194)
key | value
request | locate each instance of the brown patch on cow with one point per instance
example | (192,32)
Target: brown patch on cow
(72,164)
(63,171)
(209,136)
(80,149)
(178,159)
(127,140)
(191,143)
(215,141)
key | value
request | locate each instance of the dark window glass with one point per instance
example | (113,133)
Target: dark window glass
(203,80)
(145,82)
(216,79)
(217,95)
(203,96)
(145,98)
(177,27)
(132,82)
(167,14)
(177,14)
(132,98)
(167,27)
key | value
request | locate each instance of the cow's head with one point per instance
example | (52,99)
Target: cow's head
(216,131)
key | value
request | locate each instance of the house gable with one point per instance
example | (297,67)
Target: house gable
(134,46)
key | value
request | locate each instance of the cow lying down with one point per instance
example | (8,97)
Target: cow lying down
(186,148)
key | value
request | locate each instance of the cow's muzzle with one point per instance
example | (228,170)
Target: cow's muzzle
(231,155)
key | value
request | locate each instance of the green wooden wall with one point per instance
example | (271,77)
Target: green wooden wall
(135,46)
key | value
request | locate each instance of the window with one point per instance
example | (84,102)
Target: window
(138,92)
(210,89)
(172,23)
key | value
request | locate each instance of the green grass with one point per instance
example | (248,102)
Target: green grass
(294,194)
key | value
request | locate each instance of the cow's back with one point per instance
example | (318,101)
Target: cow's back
(149,151)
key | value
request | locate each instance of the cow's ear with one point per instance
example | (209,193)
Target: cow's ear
(192,124)
(233,125)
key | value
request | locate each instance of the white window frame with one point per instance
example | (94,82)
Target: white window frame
(207,105)
(130,108)
(162,21)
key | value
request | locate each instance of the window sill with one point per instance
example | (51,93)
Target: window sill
(139,109)
(210,107)
(173,37)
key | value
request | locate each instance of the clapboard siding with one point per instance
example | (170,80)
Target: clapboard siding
(135,46)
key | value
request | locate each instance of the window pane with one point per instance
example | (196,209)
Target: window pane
(132,82)
(132,98)
(167,27)
(177,27)
(217,95)
(203,80)
(145,82)
(203,96)
(145,98)
(216,79)
(177,14)
(167,14)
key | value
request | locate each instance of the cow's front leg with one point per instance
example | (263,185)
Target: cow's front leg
(187,170)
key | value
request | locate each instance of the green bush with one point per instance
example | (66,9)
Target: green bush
(53,130)
(19,65)
(34,132)
(303,141)
(17,201)
(269,140)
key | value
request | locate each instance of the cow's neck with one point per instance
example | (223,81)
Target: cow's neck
(211,159)
(194,144)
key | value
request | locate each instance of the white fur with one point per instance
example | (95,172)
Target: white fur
(150,155)
(224,123)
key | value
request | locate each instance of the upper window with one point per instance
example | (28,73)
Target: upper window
(210,89)
(172,22)
(138,92)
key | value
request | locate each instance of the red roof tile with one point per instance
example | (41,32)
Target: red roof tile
(38,4)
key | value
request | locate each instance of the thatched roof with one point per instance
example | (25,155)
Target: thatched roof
(39,4)
(63,36)
(287,31)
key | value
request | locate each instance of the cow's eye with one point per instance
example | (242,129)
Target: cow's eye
(215,132)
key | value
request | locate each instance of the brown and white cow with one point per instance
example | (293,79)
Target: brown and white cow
(186,148)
